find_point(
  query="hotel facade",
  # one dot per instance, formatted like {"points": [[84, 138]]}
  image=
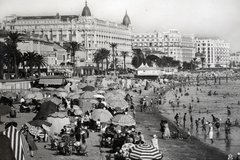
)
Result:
{"points": [[172, 44], [85, 29], [215, 51]]}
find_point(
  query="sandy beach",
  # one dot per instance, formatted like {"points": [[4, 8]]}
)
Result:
{"points": [[148, 124]]}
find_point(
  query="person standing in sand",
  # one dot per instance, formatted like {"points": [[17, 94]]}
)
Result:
{"points": [[155, 142], [210, 132]]}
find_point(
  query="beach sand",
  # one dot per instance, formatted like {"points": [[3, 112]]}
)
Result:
{"points": [[148, 124]]}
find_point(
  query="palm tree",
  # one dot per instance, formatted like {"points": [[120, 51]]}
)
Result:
{"points": [[40, 62], [72, 48], [12, 39], [96, 59], [106, 56], [202, 59], [31, 58], [23, 62], [124, 54], [138, 58], [113, 46], [8, 58], [2, 58]]}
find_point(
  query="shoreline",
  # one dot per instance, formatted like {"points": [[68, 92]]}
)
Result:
{"points": [[149, 123]]}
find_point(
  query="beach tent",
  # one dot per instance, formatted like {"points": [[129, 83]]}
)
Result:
{"points": [[6, 151], [16, 142], [46, 108], [58, 120]]}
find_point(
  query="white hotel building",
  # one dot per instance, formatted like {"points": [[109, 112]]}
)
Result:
{"points": [[85, 29], [172, 43], [216, 51]]}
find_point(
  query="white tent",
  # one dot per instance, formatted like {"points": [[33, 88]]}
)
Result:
{"points": [[58, 120]]}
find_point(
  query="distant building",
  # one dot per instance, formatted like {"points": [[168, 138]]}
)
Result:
{"points": [[235, 59], [91, 32], [216, 51], [172, 44]]}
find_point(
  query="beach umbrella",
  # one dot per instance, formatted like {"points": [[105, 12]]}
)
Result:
{"points": [[145, 151], [99, 96], [126, 147], [55, 100], [121, 103], [93, 101], [39, 123], [16, 142], [61, 90], [49, 89], [102, 114], [38, 96], [120, 92], [74, 96], [100, 92], [4, 109], [9, 94], [30, 96], [123, 120], [58, 120], [34, 89], [79, 91], [88, 88], [62, 94], [87, 95]]}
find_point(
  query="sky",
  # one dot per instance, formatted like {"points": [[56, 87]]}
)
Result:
{"points": [[203, 18]]}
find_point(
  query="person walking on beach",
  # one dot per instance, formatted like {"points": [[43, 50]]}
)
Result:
{"points": [[191, 120], [162, 127], [177, 119], [197, 124], [210, 132], [166, 134], [228, 129], [155, 142], [184, 119]]}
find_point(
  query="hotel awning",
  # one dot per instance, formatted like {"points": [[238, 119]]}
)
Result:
{"points": [[51, 81]]}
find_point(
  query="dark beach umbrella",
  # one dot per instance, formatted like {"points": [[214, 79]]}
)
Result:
{"points": [[4, 109], [46, 108], [88, 88], [145, 151], [39, 123]]}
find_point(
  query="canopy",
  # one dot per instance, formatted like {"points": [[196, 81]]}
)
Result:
{"points": [[16, 142], [102, 114], [51, 81], [145, 151], [58, 120], [123, 120]]}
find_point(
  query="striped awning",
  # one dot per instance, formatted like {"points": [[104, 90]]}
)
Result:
{"points": [[51, 81], [16, 142]]}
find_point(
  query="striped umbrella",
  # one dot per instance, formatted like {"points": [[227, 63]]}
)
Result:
{"points": [[145, 151], [123, 120], [16, 142]]}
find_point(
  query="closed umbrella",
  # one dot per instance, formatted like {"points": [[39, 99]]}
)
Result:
{"points": [[102, 114], [145, 151], [123, 120]]}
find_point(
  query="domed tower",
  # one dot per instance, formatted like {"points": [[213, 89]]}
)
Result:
{"points": [[86, 11], [126, 20]]}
